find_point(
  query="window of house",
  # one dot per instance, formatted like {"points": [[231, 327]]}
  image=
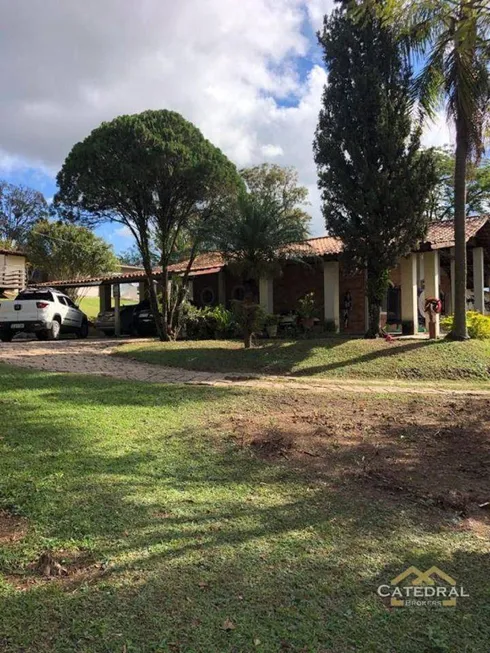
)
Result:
{"points": [[238, 293], [207, 296]]}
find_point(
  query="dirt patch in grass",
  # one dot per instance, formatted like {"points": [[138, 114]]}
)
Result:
{"points": [[434, 452], [69, 568], [12, 527]]}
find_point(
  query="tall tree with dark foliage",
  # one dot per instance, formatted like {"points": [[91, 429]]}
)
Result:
{"points": [[373, 175]]}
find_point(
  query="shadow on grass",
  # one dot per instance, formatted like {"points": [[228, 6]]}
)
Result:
{"points": [[300, 358], [196, 531], [378, 355]]}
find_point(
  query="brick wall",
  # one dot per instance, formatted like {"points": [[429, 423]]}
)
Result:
{"points": [[295, 282], [356, 286]]}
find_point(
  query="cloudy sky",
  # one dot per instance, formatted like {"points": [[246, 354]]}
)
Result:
{"points": [[248, 73]]}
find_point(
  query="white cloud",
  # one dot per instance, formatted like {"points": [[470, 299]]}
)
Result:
{"points": [[271, 151], [229, 66], [123, 232], [226, 65]]}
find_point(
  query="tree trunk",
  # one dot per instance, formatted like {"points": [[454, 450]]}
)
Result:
{"points": [[181, 293], [165, 304], [152, 296], [374, 319], [377, 284], [247, 339], [460, 332]]}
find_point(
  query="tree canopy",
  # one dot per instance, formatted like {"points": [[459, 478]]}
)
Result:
{"points": [[451, 37], [20, 208], [441, 200], [373, 175], [279, 183], [153, 172], [256, 233], [66, 251]]}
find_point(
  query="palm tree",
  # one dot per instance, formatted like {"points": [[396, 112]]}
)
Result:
{"points": [[255, 236], [452, 38]]}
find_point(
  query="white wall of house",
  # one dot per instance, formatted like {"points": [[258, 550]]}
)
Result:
{"points": [[12, 271]]}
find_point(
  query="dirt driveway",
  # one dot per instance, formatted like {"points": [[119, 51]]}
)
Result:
{"points": [[93, 356]]}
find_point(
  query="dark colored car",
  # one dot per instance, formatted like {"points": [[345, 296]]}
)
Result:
{"points": [[136, 320]]}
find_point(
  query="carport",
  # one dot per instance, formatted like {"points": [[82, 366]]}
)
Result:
{"points": [[109, 289], [110, 285]]}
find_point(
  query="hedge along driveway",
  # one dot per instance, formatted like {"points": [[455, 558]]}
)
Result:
{"points": [[334, 357]]}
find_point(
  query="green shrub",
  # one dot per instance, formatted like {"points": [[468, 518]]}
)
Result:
{"points": [[307, 306], [222, 321], [209, 322], [478, 325], [271, 319]]}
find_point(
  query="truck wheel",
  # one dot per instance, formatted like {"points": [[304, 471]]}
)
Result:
{"points": [[54, 332], [82, 332], [6, 337]]}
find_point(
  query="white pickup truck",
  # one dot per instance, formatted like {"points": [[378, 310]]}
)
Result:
{"points": [[43, 311]]}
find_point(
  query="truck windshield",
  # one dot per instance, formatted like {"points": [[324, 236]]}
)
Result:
{"points": [[36, 295]]}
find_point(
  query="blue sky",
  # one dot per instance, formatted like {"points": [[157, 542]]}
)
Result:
{"points": [[249, 75]]}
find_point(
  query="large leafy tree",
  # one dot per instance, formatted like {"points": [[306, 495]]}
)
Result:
{"points": [[280, 183], [373, 176], [155, 173], [453, 39], [20, 209], [441, 200], [66, 251]]}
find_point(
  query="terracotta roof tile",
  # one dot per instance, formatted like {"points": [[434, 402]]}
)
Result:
{"points": [[441, 234], [201, 262]]}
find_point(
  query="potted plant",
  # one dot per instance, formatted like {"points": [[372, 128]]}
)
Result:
{"points": [[307, 310], [271, 323]]}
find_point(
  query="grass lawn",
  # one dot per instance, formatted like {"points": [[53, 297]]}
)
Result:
{"points": [[149, 518], [334, 357], [91, 306]]}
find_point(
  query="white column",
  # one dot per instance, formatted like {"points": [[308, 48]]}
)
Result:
{"points": [[408, 273], [331, 292], [141, 290], [478, 280], [431, 274], [266, 294], [190, 288], [221, 287]]}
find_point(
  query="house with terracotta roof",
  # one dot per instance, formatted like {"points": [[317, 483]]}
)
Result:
{"points": [[13, 267], [340, 295]]}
